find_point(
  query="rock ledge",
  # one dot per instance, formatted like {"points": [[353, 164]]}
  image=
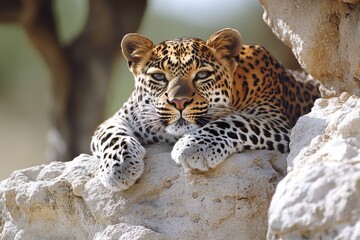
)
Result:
{"points": [[66, 200], [320, 196]]}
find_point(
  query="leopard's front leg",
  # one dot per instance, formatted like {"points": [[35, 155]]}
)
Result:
{"points": [[120, 154], [210, 145]]}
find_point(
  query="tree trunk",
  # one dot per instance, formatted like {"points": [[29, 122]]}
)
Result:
{"points": [[81, 71]]}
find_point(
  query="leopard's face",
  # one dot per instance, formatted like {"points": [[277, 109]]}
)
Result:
{"points": [[184, 83]]}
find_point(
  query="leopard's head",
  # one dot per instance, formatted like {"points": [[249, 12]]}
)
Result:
{"points": [[186, 82]]}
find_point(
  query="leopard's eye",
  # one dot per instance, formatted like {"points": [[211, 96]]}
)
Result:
{"points": [[202, 75], [158, 76]]}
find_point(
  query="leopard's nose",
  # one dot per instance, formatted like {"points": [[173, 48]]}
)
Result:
{"points": [[180, 104]]}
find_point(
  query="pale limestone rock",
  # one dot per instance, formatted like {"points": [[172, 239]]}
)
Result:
{"points": [[66, 200], [324, 36], [320, 196]]}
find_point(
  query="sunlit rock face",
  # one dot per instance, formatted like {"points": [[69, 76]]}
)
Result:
{"points": [[320, 196], [67, 200], [324, 37]]}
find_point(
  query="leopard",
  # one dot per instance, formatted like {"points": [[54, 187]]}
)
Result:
{"points": [[210, 99]]}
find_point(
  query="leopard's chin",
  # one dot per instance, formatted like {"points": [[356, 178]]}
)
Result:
{"points": [[181, 127]]}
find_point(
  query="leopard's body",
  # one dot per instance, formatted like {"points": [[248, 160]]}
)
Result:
{"points": [[210, 98]]}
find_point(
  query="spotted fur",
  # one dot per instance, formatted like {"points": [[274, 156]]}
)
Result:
{"points": [[210, 99]]}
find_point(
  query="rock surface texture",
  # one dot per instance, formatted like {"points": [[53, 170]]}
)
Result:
{"points": [[66, 200], [324, 36], [320, 196]]}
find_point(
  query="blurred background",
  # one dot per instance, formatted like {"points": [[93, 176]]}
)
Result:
{"points": [[29, 84]]}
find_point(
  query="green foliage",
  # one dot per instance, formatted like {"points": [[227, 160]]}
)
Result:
{"points": [[71, 16], [22, 71]]}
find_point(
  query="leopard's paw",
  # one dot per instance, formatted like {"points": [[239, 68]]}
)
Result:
{"points": [[120, 176], [120, 170], [198, 153]]}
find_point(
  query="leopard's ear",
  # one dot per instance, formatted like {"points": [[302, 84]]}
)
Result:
{"points": [[227, 42], [135, 48]]}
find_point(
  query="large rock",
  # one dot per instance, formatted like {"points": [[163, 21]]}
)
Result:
{"points": [[320, 196], [66, 200], [324, 36]]}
